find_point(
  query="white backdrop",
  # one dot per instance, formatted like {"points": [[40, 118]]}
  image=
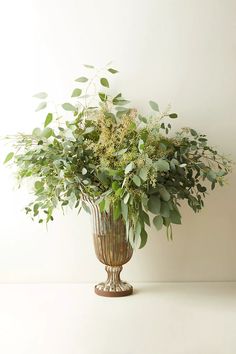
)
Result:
{"points": [[181, 52]]}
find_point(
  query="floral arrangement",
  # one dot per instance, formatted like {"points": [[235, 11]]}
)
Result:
{"points": [[108, 152]]}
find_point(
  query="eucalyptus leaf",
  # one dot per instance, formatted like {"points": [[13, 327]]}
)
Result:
{"points": [[48, 119], [76, 93], [41, 106], [112, 71], [154, 204], [104, 82], [41, 95], [82, 79], [69, 107], [9, 157], [137, 180], [158, 222], [154, 106]]}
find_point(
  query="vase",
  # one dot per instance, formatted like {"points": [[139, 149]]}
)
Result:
{"points": [[112, 249]]}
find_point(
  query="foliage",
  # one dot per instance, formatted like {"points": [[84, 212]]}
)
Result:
{"points": [[115, 156]]}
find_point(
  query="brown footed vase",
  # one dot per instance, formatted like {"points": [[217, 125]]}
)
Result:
{"points": [[112, 249]]}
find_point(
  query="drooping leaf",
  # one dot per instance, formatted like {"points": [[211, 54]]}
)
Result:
{"points": [[146, 218], [154, 106], [86, 207], [41, 95], [104, 82], [165, 210], [41, 106], [154, 204], [144, 237], [126, 198], [158, 222], [69, 107], [102, 205], [117, 211], [48, 120], [137, 180], [175, 217], [76, 93], [124, 210], [8, 157], [82, 79]]}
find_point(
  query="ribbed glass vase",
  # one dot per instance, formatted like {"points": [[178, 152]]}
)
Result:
{"points": [[112, 249]]}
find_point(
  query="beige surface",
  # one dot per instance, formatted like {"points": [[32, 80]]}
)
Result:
{"points": [[181, 52], [158, 318]]}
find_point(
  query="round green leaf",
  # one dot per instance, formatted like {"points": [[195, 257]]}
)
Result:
{"points": [[104, 82], [47, 132], [38, 185], [173, 115], [158, 222], [154, 204], [76, 93], [165, 195]]}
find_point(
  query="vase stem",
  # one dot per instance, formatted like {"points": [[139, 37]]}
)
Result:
{"points": [[113, 286]]}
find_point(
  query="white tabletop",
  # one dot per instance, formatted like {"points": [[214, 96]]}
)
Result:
{"points": [[160, 318]]}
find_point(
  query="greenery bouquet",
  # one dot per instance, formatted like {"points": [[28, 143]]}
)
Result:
{"points": [[109, 153]]}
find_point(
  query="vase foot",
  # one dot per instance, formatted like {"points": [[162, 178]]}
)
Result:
{"points": [[113, 286], [102, 290]]}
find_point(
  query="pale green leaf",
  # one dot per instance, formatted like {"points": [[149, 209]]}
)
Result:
{"points": [[82, 79], [137, 180], [41, 95], [154, 204], [88, 66], [41, 106], [48, 120], [69, 107], [129, 167], [158, 222], [154, 106], [9, 157], [76, 93]]}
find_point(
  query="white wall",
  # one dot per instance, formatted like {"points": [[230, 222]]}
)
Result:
{"points": [[181, 52]]}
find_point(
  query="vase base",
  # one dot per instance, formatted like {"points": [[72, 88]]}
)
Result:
{"points": [[102, 290]]}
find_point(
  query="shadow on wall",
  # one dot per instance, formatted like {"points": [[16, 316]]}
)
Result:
{"points": [[203, 248]]}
